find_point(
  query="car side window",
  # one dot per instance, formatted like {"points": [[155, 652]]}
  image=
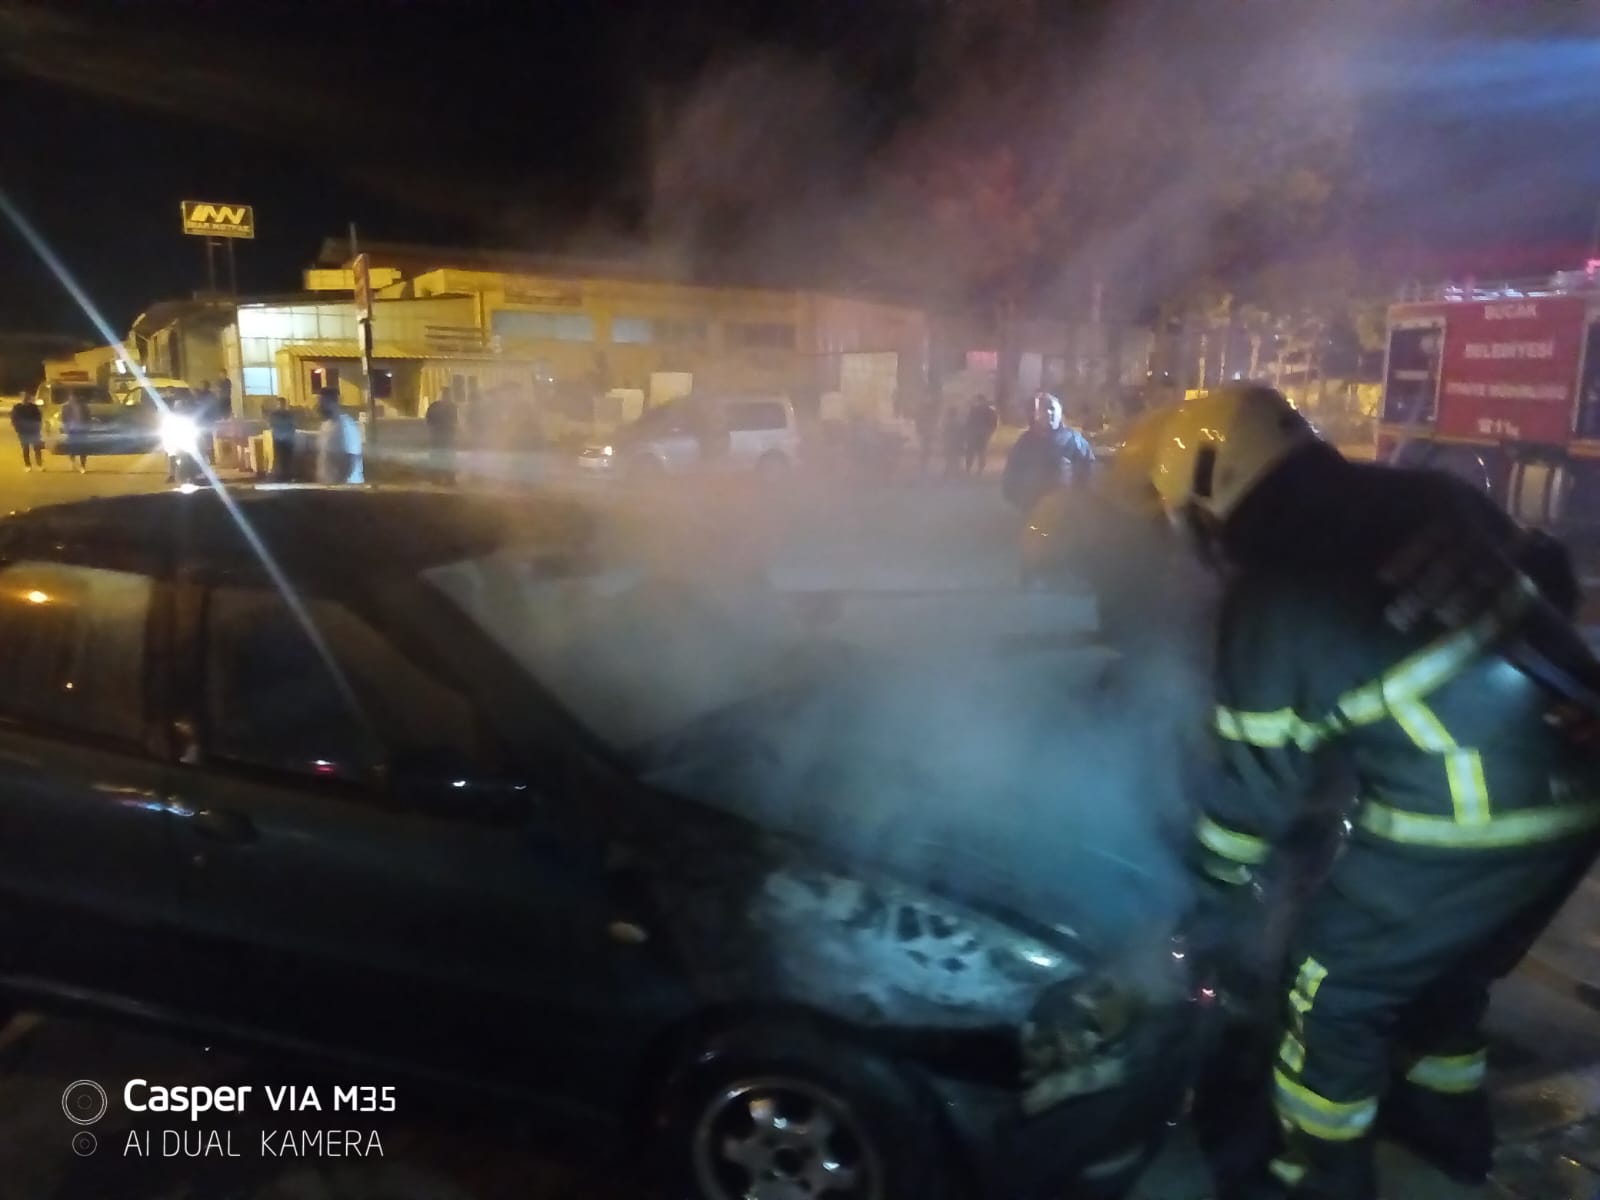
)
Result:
{"points": [[277, 699], [75, 644], [762, 415], [663, 418]]}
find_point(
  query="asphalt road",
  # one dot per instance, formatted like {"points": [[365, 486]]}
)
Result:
{"points": [[920, 537]]}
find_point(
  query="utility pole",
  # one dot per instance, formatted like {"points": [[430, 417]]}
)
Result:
{"points": [[363, 304]]}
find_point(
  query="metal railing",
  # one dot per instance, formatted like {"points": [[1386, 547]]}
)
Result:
{"points": [[1561, 283]]}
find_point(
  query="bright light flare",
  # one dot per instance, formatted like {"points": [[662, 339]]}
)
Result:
{"points": [[36, 597], [29, 234], [179, 434]]}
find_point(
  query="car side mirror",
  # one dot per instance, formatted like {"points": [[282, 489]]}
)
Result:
{"points": [[445, 783]]}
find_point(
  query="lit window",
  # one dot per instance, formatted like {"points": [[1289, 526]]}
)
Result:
{"points": [[631, 330], [514, 325], [260, 381]]}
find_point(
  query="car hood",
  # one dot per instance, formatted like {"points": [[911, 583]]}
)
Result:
{"points": [[1071, 823], [815, 869]]}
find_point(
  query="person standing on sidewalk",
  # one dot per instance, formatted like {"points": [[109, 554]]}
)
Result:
{"points": [[1047, 456], [442, 426], [28, 422], [75, 423], [982, 421], [280, 424], [339, 454]]}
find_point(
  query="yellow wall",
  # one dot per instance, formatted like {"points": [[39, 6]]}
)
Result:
{"points": [[584, 329]]}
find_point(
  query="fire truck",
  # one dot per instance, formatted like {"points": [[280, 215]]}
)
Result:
{"points": [[1500, 383]]}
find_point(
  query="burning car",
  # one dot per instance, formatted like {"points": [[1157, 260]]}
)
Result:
{"points": [[499, 792]]}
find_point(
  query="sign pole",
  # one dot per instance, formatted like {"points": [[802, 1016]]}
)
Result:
{"points": [[363, 306], [214, 223]]}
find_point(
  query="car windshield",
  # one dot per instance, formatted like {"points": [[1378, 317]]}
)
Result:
{"points": [[634, 638], [88, 393]]}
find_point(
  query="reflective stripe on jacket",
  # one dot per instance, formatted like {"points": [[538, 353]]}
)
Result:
{"points": [[1448, 743]]}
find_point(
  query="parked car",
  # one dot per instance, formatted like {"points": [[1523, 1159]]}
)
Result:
{"points": [[127, 388], [127, 426], [693, 433], [391, 777], [52, 396]]}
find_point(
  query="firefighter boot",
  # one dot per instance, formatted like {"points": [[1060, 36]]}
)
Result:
{"points": [[1453, 1133]]}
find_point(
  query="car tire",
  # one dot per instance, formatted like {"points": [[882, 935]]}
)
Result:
{"points": [[776, 1101]]}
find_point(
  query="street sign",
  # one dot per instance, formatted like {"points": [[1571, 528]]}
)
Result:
{"points": [[204, 219]]}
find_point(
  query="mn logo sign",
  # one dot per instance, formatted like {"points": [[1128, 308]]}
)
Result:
{"points": [[219, 220]]}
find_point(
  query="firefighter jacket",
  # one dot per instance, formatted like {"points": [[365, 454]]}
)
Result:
{"points": [[1448, 742]]}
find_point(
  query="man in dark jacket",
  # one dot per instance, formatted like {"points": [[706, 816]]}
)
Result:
{"points": [[982, 420], [206, 413], [281, 426], [442, 425], [27, 420], [1476, 810], [1048, 455]]}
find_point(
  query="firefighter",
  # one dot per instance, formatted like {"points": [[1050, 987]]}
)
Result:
{"points": [[1475, 812], [1113, 541]]}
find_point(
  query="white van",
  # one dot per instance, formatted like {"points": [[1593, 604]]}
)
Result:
{"points": [[722, 433]]}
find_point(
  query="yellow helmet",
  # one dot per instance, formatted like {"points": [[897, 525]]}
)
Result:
{"points": [[1211, 450], [1129, 471]]}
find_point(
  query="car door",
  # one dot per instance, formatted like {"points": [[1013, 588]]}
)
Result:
{"points": [[345, 904], [744, 433], [670, 435], [759, 428], [87, 849]]}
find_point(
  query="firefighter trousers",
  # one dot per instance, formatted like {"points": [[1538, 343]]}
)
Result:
{"points": [[1388, 982]]}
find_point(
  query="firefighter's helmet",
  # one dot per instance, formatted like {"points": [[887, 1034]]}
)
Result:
{"points": [[1213, 449], [1133, 460]]}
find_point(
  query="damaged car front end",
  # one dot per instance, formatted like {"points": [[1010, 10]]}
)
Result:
{"points": [[1057, 1066]]}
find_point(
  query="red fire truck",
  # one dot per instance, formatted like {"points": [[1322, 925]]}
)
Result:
{"points": [[1501, 383]]}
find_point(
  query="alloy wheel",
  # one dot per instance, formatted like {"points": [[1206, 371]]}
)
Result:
{"points": [[783, 1139]]}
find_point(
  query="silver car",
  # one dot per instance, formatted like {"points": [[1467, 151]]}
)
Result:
{"points": [[691, 433]]}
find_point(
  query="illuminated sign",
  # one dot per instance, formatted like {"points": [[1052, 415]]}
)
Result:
{"points": [[204, 219]]}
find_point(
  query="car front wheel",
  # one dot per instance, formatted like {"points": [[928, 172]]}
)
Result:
{"points": [[788, 1114]]}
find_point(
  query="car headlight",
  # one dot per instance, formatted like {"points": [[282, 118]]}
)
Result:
{"points": [[607, 451], [179, 434], [1083, 1032]]}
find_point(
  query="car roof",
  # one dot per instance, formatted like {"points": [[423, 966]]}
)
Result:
{"points": [[306, 528]]}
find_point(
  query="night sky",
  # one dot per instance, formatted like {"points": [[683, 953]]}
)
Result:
{"points": [[540, 125]]}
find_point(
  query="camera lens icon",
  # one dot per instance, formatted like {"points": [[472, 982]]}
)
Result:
{"points": [[85, 1102], [84, 1143]]}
